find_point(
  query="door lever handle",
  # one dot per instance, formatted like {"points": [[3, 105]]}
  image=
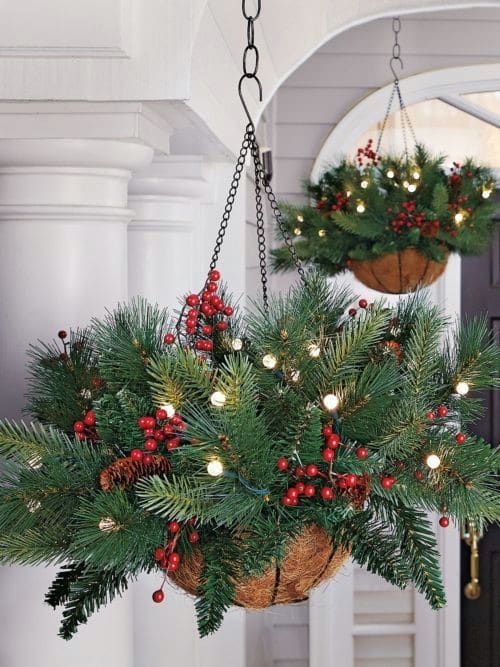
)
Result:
{"points": [[472, 590]]}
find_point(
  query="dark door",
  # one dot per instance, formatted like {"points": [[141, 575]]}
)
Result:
{"points": [[480, 626]]}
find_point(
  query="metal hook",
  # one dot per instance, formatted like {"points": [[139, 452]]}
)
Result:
{"points": [[391, 65], [240, 93]]}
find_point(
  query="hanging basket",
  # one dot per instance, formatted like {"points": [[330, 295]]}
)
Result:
{"points": [[399, 272], [311, 559]]}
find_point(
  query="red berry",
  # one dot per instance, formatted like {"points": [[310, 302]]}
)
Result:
{"points": [[328, 455], [192, 300], [172, 567], [431, 416], [79, 427], [211, 287], [444, 522], [351, 479], [209, 346], [292, 492], [309, 490], [159, 553], [300, 486], [136, 455], [299, 471], [193, 314], [333, 441], [327, 430], [387, 482], [158, 596], [80, 436], [194, 537], [192, 521], [207, 309], [214, 275], [173, 444], [327, 493], [228, 311], [282, 464], [168, 339], [419, 475], [159, 435], [363, 303], [89, 419], [150, 445], [147, 459], [442, 411], [174, 558], [191, 323], [287, 501], [341, 483], [149, 432], [312, 470], [460, 438], [206, 330], [362, 452], [62, 334], [221, 326], [150, 422], [161, 414], [173, 527], [352, 312]]}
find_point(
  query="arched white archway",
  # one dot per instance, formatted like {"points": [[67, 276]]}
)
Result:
{"points": [[437, 84]]}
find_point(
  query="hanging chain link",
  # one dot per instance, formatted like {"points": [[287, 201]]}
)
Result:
{"points": [[261, 233], [396, 90]]}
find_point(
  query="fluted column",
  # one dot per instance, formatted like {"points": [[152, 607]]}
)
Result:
{"points": [[63, 259]]}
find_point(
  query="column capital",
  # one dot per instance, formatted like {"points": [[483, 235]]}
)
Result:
{"points": [[175, 176]]}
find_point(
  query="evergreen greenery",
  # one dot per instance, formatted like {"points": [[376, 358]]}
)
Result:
{"points": [[386, 366], [383, 204]]}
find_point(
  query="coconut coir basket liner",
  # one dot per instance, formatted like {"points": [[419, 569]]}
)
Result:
{"points": [[399, 272], [310, 560]]}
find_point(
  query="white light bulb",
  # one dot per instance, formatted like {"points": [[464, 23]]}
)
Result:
{"points": [[360, 208], [390, 173], [300, 218], [348, 193], [486, 193], [331, 402], [462, 388], [297, 231], [433, 461], [412, 187], [169, 409], [215, 468], [218, 399], [314, 350], [364, 184], [405, 184], [416, 175], [322, 233], [459, 217], [237, 344], [269, 361]]}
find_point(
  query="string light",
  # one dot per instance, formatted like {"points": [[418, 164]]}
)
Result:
{"points": [[297, 231], [314, 350], [486, 193], [390, 173], [348, 193], [218, 399], [433, 461], [237, 344], [416, 175], [412, 187], [322, 233], [269, 361], [331, 402], [459, 217], [406, 184], [360, 208], [462, 388], [169, 409], [364, 184], [215, 468], [300, 218]]}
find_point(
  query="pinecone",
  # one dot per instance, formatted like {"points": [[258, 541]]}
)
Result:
{"points": [[125, 472]]}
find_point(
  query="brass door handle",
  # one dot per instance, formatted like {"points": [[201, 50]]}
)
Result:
{"points": [[472, 590]]}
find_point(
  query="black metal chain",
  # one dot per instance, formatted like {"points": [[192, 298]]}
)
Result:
{"points": [[396, 90], [261, 233]]}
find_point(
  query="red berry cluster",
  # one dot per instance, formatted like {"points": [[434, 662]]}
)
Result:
{"points": [[367, 153], [440, 411], [203, 315], [167, 558], [341, 201], [85, 429], [411, 217], [455, 177], [363, 303], [158, 429]]}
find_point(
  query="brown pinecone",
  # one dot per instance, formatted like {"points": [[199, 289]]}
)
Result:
{"points": [[125, 472]]}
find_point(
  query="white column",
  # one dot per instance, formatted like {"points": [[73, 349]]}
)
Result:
{"points": [[63, 259], [178, 201]]}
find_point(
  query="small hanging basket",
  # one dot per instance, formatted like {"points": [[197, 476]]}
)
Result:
{"points": [[400, 272], [311, 559]]}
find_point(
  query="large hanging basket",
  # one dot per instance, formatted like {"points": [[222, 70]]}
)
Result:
{"points": [[311, 559], [399, 272]]}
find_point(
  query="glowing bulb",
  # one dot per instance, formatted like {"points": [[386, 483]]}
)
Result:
{"points": [[322, 233], [459, 217], [169, 409], [297, 231], [314, 350], [486, 193], [360, 208], [331, 402], [416, 175], [390, 173], [364, 184], [348, 193], [300, 218], [215, 468], [405, 184], [462, 388], [269, 361], [433, 461], [218, 399], [295, 376], [237, 344], [412, 187]]}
